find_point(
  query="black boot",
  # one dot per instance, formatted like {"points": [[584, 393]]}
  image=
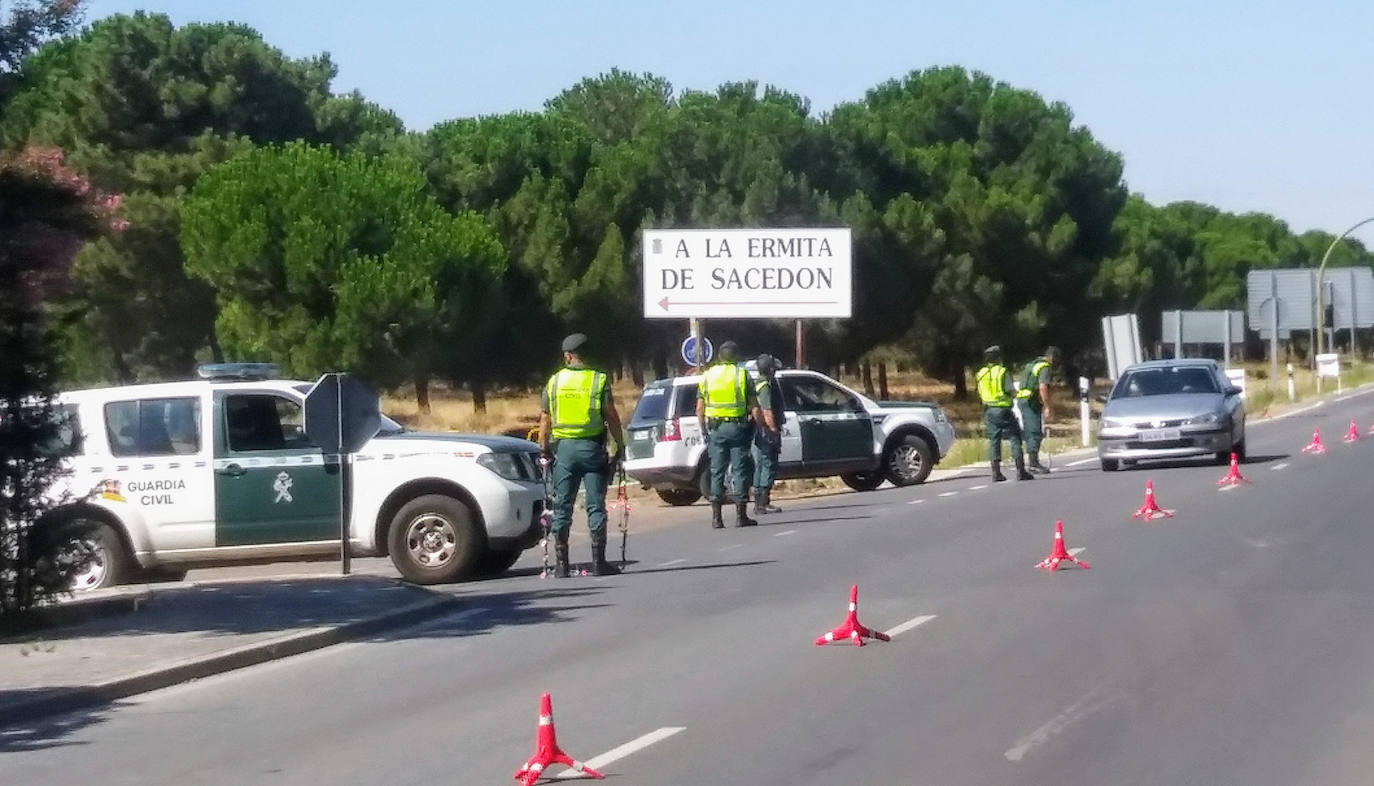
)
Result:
{"points": [[997, 476], [560, 550], [763, 502], [716, 521], [600, 567], [742, 515], [1034, 464], [1021, 473]]}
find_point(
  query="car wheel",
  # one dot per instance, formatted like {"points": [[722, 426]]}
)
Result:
{"points": [[494, 562], [434, 540], [1239, 450], [908, 461], [1109, 465], [96, 553], [863, 481], [679, 497], [704, 485]]}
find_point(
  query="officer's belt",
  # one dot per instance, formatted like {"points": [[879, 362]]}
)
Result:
{"points": [[740, 419]]}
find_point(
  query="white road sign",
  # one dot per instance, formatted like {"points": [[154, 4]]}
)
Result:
{"points": [[747, 273]]}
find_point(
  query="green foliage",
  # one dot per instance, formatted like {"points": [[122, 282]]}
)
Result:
{"points": [[324, 261]]}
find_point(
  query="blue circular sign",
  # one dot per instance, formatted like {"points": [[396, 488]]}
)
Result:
{"points": [[689, 351]]}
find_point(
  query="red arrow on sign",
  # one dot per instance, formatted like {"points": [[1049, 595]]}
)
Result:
{"points": [[665, 303]]}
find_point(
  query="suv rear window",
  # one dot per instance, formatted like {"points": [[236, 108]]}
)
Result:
{"points": [[653, 404], [686, 396], [153, 427]]}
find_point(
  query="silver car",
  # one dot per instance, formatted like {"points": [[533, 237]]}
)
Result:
{"points": [[1167, 409]]}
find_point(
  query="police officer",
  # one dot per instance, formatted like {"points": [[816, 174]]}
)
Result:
{"points": [[725, 402], [578, 414], [1033, 400], [767, 435], [995, 390]]}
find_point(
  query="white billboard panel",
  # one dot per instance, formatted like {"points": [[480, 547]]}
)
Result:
{"points": [[747, 273]]}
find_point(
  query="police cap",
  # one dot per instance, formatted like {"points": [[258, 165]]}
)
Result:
{"points": [[993, 351], [575, 342], [1052, 353]]}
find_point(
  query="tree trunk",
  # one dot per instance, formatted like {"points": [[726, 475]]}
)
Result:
{"points": [[868, 378], [882, 380], [422, 392], [637, 373], [121, 367], [960, 383], [660, 362], [479, 397]]}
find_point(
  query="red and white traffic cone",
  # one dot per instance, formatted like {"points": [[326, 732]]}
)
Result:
{"points": [[1151, 510], [1353, 434], [851, 628], [1233, 477], [1059, 553], [546, 750], [1315, 446]]}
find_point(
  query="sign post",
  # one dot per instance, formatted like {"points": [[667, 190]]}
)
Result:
{"points": [[341, 414]]}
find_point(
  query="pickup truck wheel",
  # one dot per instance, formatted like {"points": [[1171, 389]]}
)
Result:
{"points": [[679, 497], [96, 550], [909, 461], [863, 481], [494, 562], [1109, 465], [433, 539]]}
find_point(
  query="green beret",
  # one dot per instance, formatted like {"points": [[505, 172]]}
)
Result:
{"points": [[574, 342]]}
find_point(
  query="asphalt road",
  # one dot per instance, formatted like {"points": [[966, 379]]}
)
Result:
{"points": [[1230, 644]]}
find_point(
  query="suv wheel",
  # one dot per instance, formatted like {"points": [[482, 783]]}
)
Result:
{"points": [[704, 485], [908, 461], [433, 540], [679, 497], [863, 481]]}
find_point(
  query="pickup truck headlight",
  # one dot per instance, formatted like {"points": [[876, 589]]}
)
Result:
{"points": [[506, 465]]}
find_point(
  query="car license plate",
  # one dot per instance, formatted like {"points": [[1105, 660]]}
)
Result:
{"points": [[1160, 435]]}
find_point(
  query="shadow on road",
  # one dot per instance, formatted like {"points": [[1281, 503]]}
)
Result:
{"points": [[710, 566], [48, 732]]}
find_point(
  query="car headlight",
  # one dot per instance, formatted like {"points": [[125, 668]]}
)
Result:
{"points": [[1116, 427], [506, 465], [1115, 423], [1204, 420]]}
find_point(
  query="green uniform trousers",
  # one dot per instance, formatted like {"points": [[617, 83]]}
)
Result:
{"points": [[766, 452], [1001, 423], [729, 446], [1032, 426], [579, 462]]}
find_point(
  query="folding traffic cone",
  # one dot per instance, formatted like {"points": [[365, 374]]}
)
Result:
{"points": [[1233, 477], [851, 628], [1059, 553], [1353, 435], [1315, 446], [546, 750], [1151, 510]]}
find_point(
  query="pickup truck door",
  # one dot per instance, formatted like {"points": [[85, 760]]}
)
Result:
{"points": [[271, 484], [835, 429]]}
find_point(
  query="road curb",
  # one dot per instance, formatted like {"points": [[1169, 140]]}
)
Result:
{"points": [[90, 696]]}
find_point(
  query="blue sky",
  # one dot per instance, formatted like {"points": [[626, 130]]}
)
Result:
{"points": [[1259, 105]]}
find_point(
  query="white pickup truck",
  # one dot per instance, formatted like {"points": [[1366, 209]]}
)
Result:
{"points": [[218, 471], [830, 430]]}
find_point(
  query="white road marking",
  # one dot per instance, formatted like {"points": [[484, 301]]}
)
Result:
{"points": [[909, 624], [617, 753], [916, 501], [784, 532], [727, 548], [1279, 466], [671, 562], [1076, 550], [1230, 487], [1080, 462], [979, 487], [949, 493], [1056, 725]]}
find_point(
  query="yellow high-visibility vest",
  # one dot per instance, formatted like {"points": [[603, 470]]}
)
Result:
{"points": [[1029, 388], [575, 403], [992, 385], [725, 389]]}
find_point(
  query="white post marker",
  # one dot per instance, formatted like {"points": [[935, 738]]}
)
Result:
{"points": [[1292, 392], [1085, 413]]}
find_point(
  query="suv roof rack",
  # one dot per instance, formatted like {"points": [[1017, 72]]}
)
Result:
{"points": [[238, 372]]}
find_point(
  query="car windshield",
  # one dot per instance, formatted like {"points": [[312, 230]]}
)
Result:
{"points": [[1165, 381], [388, 428], [653, 404]]}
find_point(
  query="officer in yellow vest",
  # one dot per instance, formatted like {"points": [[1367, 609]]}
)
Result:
{"points": [[578, 414], [726, 402], [996, 391], [1033, 401]]}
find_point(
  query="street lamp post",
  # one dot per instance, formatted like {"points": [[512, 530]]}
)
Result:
{"points": [[1321, 289]]}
